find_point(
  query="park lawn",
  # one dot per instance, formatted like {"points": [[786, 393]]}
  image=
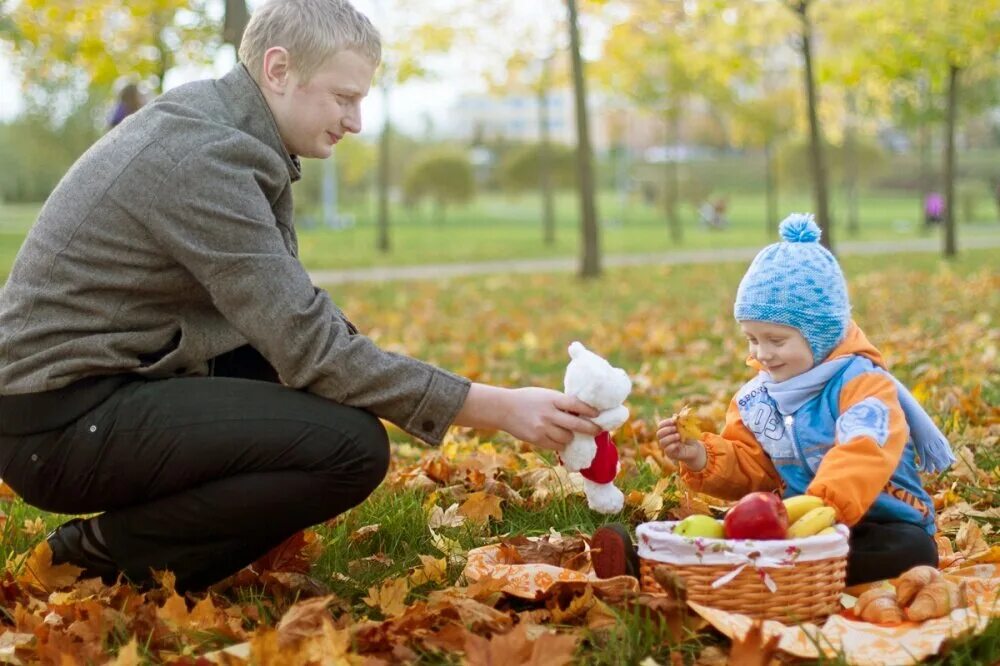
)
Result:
{"points": [[671, 328], [496, 227]]}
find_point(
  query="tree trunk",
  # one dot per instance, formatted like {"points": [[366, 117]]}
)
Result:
{"points": [[235, 22], [771, 187], [545, 176], [673, 188], [925, 155], [815, 135], [590, 262], [949, 164], [851, 166], [382, 231]]}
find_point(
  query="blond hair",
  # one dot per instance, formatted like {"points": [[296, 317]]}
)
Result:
{"points": [[311, 31]]}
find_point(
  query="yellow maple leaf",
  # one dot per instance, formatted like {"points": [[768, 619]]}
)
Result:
{"points": [[688, 424], [389, 597], [431, 570], [481, 506], [174, 611], [38, 572]]}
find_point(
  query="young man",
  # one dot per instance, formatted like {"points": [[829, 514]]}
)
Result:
{"points": [[165, 358]]}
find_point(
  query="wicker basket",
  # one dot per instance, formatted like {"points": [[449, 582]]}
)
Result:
{"points": [[807, 590]]}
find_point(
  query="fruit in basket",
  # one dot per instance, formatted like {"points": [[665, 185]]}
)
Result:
{"points": [[700, 525], [758, 515], [814, 522], [800, 505]]}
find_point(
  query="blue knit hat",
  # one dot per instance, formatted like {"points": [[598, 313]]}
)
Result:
{"points": [[798, 283]]}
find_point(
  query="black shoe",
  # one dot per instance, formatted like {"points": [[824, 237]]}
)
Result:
{"points": [[612, 552], [66, 542]]}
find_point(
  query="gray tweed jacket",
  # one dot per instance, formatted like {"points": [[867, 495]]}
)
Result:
{"points": [[171, 241]]}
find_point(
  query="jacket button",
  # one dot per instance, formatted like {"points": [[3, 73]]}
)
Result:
{"points": [[428, 425]]}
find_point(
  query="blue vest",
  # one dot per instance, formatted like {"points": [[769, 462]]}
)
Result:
{"points": [[797, 443]]}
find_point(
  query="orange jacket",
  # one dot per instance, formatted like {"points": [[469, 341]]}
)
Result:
{"points": [[852, 455]]}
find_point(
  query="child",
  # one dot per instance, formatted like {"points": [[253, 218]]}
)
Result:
{"points": [[159, 298], [823, 416]]}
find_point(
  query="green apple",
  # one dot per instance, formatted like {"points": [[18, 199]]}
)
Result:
{"points": [[700, 526]]}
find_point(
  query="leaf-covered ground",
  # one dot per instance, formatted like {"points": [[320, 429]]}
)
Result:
{"points": [[382, 584]]}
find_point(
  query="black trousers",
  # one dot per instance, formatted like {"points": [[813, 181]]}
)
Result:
{"points": [[201, 475], [885, 550]]}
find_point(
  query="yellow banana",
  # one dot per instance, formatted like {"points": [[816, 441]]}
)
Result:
{"points": [[800, 505], [827, 530], [813, 522]]}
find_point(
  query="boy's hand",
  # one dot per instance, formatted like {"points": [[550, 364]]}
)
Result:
{"points": [[691, 452]]}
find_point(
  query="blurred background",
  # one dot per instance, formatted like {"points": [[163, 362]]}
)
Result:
{"points": [[537, 128]]}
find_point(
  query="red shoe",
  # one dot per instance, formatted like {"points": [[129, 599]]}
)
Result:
{"points": [[612, 552]]}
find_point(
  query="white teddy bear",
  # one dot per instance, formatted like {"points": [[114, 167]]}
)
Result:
{"points": [[594, 381]]}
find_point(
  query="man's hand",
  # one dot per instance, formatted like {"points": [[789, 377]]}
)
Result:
{"points": [[540, 416], [691, 452]]}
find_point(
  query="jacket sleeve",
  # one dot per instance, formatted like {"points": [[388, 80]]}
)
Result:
{"points": [[871, 433], [737, 464], [212, 215]]}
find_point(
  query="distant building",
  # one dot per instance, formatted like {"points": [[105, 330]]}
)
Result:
{"points": [[482, 117]]}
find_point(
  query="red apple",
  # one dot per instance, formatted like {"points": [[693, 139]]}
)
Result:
{"points": [[757, 516]]}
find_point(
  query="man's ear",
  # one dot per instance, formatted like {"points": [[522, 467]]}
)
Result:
{"points": [[275, 69]]}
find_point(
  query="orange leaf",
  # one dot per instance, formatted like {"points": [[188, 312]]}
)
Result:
{"points": [[304, 619], [295, 554], [752, 649], [7, 493], [39, 573], [389, 597], [128, 655], [480, 507], [174, 611]]}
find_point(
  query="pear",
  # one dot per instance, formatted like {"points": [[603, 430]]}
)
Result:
{"points": [[699, 525]]}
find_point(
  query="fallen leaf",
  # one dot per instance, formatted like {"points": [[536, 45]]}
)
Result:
{"points": [[431, 570], [752, 649], [363, 534], [304, 619], [389, 597], [296, 553], [480, 507], [449, 517], [38, 572], [128, 655]]}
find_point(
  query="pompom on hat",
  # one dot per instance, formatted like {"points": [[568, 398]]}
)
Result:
{"points": [[798, 283]]}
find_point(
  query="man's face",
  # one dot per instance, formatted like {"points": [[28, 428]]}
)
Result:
{"points": [[312, 116], [782, 350]]}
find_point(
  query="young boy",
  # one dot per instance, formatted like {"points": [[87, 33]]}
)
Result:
{"points": [[823, 416], [158, 299]]}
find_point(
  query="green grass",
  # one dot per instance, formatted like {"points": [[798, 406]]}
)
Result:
{"points": [[497, 227], [485, 320]]}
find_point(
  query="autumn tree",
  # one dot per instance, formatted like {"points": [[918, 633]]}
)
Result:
{"points": [[590, 259], [442, 175], [806, 45], [928, 48], [65, 49], [664, 55], [409, 38]]}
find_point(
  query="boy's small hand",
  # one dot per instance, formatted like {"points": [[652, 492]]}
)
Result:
{"points": [[691, 452]]}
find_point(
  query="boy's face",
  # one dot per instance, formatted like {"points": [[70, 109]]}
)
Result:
{"points": [[313, 115], [781, 350]]}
